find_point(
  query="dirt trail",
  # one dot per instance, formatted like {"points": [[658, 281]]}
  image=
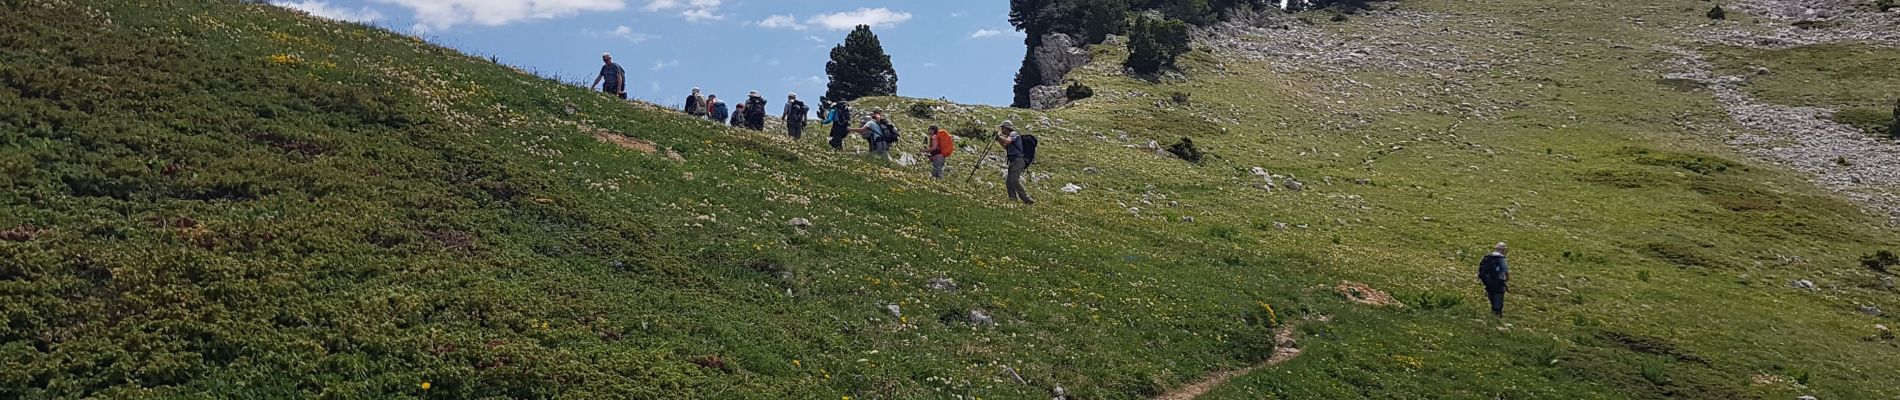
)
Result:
{"points": [[1284, 349]]}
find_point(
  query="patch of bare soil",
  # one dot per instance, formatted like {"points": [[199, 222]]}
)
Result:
{"points": [[606, 136], [1362, 294], [1284, 349]]}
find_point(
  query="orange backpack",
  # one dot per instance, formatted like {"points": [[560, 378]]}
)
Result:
{"points": [[945, 144]]}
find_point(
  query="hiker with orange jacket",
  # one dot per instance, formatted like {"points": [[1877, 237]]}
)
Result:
{"points": [[938, 146]]}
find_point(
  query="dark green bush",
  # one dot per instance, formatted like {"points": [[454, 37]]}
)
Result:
{"points": [[1718, 13], [1186, 150], [1078, 91], [1182, 98], [1881, 261], [1885, 5], [1153, 45], [922, 110]]}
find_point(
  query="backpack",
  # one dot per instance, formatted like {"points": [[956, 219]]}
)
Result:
{"points": [[945, 143], [890, 131], [844, 115], [1488, 269], [1029, 147], [755, 108], [799, 110]]}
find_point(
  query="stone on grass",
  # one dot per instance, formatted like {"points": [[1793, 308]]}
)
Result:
{"points": [[1071, 188], [941, 285], [799, 222], [1802, 284]]}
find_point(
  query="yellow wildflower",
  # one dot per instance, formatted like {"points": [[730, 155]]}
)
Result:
{"points": [[425, 385]]}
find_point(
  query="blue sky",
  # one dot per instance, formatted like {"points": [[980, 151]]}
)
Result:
{"points": [[964, 51]]}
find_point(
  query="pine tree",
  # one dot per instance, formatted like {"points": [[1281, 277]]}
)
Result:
{"points": [[860, 68]]}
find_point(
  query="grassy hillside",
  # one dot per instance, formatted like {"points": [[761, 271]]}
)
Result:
{"points": [[217, 199]]}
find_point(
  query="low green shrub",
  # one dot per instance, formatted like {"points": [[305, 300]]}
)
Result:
{"points": [[1874, 121], [1186, 150], [1881, 261], [1078, 91]]}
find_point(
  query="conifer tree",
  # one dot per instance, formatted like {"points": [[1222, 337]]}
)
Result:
{"points": [[860, 68]]}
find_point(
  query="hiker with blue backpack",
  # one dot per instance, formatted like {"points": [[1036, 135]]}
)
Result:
{"points": [[838, 116], [718, 112], [1020, 149], [1494, 273]]}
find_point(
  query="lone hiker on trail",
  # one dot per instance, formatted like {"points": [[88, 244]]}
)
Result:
{"points": [[696, 104], [795, 114], [755, 112], [1021, 151], [839, 117], [1495, 273], [938, 147], [615, 77]]}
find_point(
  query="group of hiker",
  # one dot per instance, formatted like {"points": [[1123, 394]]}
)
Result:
{"points": [[748, 115], [877, 130], [879, 133]]}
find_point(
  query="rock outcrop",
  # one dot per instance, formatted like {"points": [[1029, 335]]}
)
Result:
{"points": [[1054, 58]]}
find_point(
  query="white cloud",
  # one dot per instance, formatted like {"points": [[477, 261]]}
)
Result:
{"points": [[958, 14], [984, 33], [691, 10], [325, 10], [930, 65], [815, 39], [664, 64], [786, 21], [623, 32], [444, 14], [875, 17]]}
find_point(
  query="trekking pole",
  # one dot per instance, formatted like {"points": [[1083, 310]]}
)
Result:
{"points": [[979, 162]]}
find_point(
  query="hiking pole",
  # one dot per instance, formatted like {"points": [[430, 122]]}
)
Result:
{"points": [[979, 162]]}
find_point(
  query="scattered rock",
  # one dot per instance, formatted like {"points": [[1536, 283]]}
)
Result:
{"points": [[941, 285], [1071, 188], [799, 222], [1886, 282], [1362, 182], [1802, 284], [1187, 218], [980, 318], [1279, 225], [1090, 170], [906, 160], [1038, 177], [1294, 185], [896, 312], [1871, 310], [20, 234]]}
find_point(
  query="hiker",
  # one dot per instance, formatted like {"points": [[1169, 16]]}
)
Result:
{"points": [[615, 77], [696, 104], [938, 147], [839, 118], [871, 131], [755, 112], [1020, 149], [716, 108], [795, 114], [879, 133], [1495, 273], [738, 116]]}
